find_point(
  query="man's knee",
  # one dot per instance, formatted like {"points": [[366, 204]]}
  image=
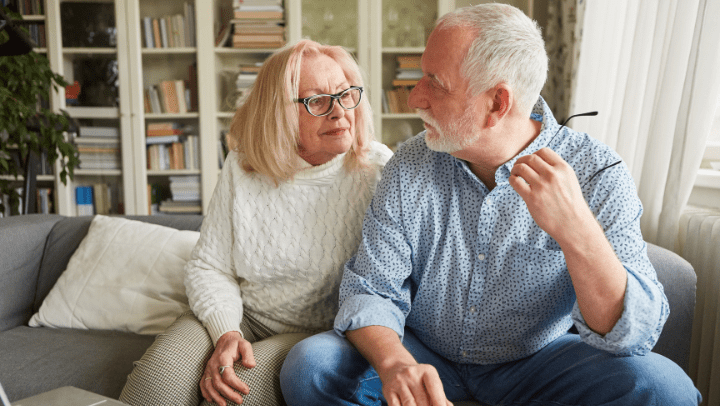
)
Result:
{"points": [[658, 380], [308, 362]]}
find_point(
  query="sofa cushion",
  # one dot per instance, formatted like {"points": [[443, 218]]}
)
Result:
{"points": [[125, 275], [22, 239], [43, 359], [66, 236]]}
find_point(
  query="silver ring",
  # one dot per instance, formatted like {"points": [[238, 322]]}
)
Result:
{"points": [[208, 378], [222, 368]]}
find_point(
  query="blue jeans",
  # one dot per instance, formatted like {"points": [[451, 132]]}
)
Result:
{"points": [[326, 369]]}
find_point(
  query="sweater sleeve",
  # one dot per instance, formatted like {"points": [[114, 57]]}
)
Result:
{"points": [[210, 278]]}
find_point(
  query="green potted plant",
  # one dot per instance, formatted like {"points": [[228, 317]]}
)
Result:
{"points": [[27, 124]]}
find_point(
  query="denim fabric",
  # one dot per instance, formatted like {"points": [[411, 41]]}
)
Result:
{"points": [[327, 370]]}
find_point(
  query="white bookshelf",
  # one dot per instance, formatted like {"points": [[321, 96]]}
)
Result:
{"points": [[139, 66]]}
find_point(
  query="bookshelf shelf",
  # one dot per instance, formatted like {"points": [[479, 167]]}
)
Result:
{"points": [[98, 172], [403, 50], [89, 51], [171, 116], [169, 51], [34, 17], [173, 172], [241, 51]]}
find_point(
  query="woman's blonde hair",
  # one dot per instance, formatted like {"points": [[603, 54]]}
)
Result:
{"points": [[265, 129]]}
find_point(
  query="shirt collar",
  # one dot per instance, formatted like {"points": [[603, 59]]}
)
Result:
{"points": [[540, 112]]}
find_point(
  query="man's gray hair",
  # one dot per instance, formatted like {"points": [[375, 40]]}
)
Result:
{"points": [[508, 48]]}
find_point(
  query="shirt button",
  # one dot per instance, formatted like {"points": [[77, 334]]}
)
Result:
{"points": [[472, 309], [481, 257], [464, 354]]}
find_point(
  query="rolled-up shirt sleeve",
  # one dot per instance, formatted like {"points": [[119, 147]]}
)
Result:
{"points": [[618, 210], [375, 288]]}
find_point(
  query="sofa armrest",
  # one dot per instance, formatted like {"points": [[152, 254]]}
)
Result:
{"points": [[679, 282], [23, 240]]}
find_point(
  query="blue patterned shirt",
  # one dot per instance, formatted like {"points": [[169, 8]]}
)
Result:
{"points": [[470, 272]]}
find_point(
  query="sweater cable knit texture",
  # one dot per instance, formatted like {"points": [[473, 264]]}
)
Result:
{"points": [[278, 252]]}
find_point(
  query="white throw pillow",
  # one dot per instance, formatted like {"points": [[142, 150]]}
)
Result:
{"points": [[126, 275]]}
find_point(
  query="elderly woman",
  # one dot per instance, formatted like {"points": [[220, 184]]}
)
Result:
{"points": [[284, 218]]}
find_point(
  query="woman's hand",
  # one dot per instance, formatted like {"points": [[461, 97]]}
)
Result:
{"points": [[215, 387]]}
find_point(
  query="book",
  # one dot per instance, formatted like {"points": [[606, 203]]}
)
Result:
{"points": [[170, 98], [258, 38], [148, 28], [180, 94], [189, 9], [258, 14], [404, 82], [101, 198], [157, 41], [164, 33], [163, 139], [84, 200], [94, 131]]}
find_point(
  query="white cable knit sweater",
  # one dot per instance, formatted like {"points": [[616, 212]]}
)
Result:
{"points": [[278, 252]]}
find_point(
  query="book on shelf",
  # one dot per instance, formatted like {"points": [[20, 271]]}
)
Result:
{"points": [[102, 198], [44, 200], [163, 33], [172, 146], [172, 96], [98, 153], [185, 188], [180, 207], [157, 39], [257, 15], [84, 200], [258, 24], [170, 31], [405, 82], [96, 131], [30, 7]]}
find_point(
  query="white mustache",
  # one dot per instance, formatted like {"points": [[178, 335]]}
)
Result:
{"points": [[427, 118]]}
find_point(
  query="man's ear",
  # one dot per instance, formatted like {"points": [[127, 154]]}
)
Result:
{"points": [[502, 99]]}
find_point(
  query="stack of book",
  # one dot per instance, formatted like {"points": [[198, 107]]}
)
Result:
{"points": [[407, 76], [172, 146], [185, 191], [245, 80], [171, 31], [99, 148], [258, 24], [170, 96]]}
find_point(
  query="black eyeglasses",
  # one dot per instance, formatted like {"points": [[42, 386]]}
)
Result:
{"points": [[322, 104]]}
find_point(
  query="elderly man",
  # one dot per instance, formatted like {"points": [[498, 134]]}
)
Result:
{"points": [[490, 235]]}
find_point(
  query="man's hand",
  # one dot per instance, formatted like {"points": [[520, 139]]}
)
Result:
{"points": [[414, 385], [405, 382], [216, 388], [551, 191]]}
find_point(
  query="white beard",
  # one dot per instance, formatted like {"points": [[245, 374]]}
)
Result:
{"points": [[456, 136]]}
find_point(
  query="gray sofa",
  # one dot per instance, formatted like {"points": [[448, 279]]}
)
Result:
{"points": [[35, 249]]}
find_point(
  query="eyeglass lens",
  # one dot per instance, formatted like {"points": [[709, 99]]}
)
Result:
{"points": [[322, 104]]}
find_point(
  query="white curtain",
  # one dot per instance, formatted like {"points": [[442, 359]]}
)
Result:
{"points": [[651, 69]]}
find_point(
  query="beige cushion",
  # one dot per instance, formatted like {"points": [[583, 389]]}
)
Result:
{"points": [[126, 275]]}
